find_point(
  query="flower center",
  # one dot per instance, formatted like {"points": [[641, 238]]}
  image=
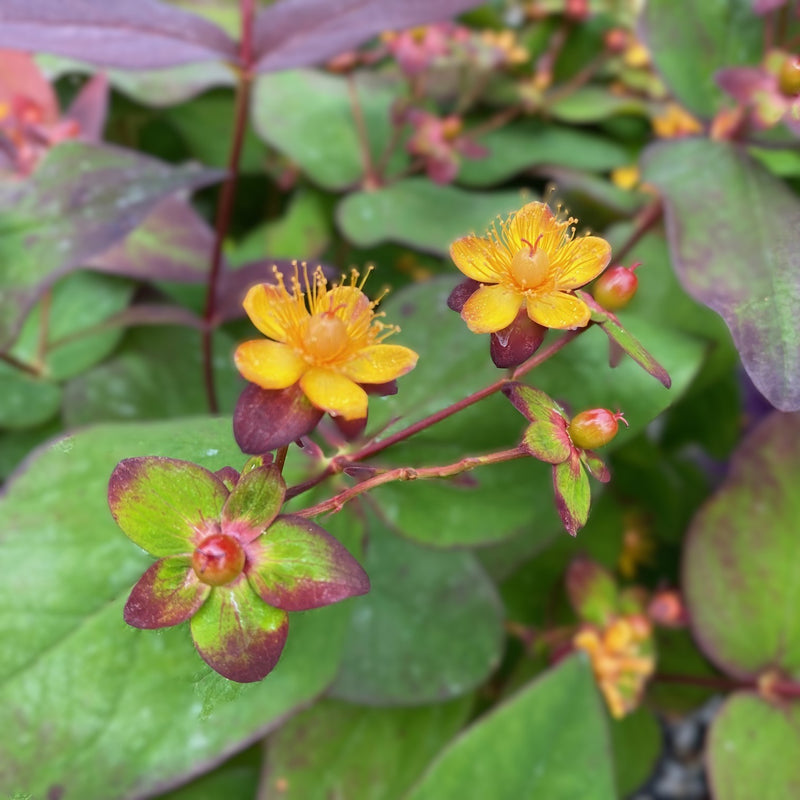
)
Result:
{"points": [[218, 559], [530, 266], [324, 336]]}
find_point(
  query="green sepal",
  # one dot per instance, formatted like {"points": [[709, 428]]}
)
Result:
{"points": [[237, 634], [595, 466], [548, 441], [533, 404], [163, 504], [573, 496], [254, 502]]}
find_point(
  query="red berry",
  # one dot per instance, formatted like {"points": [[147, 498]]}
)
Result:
{"points": [[616, 287], [789, 76], [218, 559], [594, 428]]}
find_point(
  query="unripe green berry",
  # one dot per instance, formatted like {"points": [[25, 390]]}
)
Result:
{"points": [[789, 76], [594, 428], [616, 287], [218, 559]]}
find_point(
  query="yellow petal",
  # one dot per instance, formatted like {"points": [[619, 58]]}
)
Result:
{"points": [[334, 393], [491, 308], [260, 303], [478, 258], [380, 363], [348, 302], [580, 261], [558, 310], [270, 365]]}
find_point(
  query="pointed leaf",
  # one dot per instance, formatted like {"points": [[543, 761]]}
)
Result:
{"points": [[741, 563], [533, 404], [548, 441], [237, 634], [90, 108], [547, 741], [167, 594], [747, 734], [80, 200], [296, 566], [749, 273], [254, 502], [297, 33], [573, 495], [625, 340], [266, 419], [595, 466], [160, 502], [132, 34]]}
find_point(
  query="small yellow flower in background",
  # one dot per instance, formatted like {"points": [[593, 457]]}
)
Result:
{"points": [[626, 177], [638, 546], [329, 339], [674, 122], [535, 260], [622, 658]]}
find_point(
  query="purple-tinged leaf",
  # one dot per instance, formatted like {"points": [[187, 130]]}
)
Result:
{"points": [[592, 591], [229, 476], [266, 419], [167, 594], [254, 502], [154, 314], [625, 340], [81, 200], [90, 108], [297, 33], [296, 566], [533, 404], [234, 283], [239, 635], [165, 505], [131, 34], [172, 244], [741, 562], [548, 441], [734, 234], [595, 466], [573, 495]]}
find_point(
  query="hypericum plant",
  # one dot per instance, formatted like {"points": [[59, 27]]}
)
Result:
{"points": [[234, 569]]}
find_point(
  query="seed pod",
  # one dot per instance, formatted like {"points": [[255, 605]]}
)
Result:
{"points": [[616, 287], [594, 428]]}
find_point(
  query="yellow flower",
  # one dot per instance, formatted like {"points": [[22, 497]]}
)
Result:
{"points": [[674, 122], [329, 339], [533, 259]]}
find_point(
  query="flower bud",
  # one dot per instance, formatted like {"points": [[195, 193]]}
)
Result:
{"points": [[789, 76], [594, 428], [616, 287]]}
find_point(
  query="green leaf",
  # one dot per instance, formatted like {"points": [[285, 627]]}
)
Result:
{"points": [[308, 116], [157, 372], [80, 200], [589, 104], [529, 143], [237, 778], [127, 709], [592, 591], [419, 213], [747, 273], [297, 565], [75, 306], [638, 742], [161, 502], [339, 750], [573, 495], [548, 740], [26, 401], [237, 634], [689, 48], [747, 734], [399, 652], [742, 558]]}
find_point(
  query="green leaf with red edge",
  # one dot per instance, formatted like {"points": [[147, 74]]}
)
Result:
{"points": [[167, 594], [548, 441], [238, 634], [93, 702], [748, 734], [533, 404], [254, 502], [595, 466], [297, 565], [625, 340], [573, 495], [160, 502], [592, 590], [741, 563]]}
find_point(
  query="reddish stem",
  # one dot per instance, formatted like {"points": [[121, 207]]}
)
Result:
{"points": [[336, 502], [649, 216], [228, 194]]}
